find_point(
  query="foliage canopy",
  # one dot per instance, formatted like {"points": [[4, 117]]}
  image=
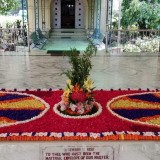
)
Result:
{"points": [[7, 5], [145, 14]]}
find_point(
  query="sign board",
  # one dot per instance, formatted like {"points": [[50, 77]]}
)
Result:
{"points": [[78, 153]]}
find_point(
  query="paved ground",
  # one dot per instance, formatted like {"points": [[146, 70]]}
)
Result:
{"points": [[108, 71], [36, 70]]}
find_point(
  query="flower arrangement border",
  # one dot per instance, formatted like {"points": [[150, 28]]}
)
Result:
{"points": [[104, 136], [54, 136], [28, 120], [133, 121]]}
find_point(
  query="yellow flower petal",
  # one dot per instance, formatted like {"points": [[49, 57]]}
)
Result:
{"points": [[88, 84]]}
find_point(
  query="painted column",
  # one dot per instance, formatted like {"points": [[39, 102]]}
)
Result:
{"points": [[48, 15], [44, 15], [109, 22], [43, 12], [92, 17], [98, 18], [24, 14], [86, 15], [36, 14], [31, 20], [103, 16]]}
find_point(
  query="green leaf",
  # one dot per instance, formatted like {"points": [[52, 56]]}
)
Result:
{"points": [[80, 65]]}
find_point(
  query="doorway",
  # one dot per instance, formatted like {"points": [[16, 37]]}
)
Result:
{"points": [[67, 13]]}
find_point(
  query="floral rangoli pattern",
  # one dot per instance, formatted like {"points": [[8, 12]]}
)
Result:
{"points": [[16, 108], [140, 108], [129, 115]]}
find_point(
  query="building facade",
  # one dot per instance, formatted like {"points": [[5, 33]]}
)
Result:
{"points": [[47, 15]]}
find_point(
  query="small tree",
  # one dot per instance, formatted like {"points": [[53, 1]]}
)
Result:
{"points": [[7, 5]]}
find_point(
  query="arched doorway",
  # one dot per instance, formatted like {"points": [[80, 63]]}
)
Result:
{"points": [[68, 14]]}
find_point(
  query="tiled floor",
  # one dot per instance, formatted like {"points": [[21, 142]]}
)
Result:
{"points": [[108, 72]]}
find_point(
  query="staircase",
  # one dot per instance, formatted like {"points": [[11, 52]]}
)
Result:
{"points": [[79, 34], [65, 39]]}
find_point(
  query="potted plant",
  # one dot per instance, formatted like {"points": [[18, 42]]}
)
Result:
{"points": [[78, 98]]}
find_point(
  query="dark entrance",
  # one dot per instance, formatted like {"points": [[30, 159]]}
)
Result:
{"points": [[67, 13]]}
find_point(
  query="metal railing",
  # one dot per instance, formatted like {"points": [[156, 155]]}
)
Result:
{"points": [[14, 40], [133, 41]]}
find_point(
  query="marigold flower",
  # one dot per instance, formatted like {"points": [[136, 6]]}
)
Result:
{"points": [[77, 88], [65, 100]]}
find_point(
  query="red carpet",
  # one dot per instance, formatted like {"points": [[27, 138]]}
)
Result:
{"points": [[131, 117]]}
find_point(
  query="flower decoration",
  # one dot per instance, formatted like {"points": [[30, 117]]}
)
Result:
{"points": [[142, 108], [20, 108], [78, 98]]}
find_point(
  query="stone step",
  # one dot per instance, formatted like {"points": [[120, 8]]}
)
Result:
{"points": [[69, 30], [68, 33], [67, 37]]}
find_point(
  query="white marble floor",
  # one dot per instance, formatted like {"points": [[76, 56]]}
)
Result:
{"points": [[108, 72]]}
